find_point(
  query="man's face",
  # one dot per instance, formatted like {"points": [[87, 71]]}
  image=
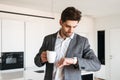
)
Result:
{"points": [[68, 27]]}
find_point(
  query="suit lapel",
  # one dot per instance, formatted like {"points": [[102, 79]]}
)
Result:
{"points": [[53, 39], [52, 47], [71, 46]]}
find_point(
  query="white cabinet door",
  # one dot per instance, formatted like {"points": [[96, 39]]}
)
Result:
{"points": [[34, 37], [12, 35], [0, 38], [115, 53], [35, 32]]}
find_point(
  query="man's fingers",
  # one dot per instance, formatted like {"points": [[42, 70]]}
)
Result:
{"points": [[65, 62], [44, 56], [60, 66]]}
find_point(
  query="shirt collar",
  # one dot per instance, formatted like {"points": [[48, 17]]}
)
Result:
{"points": [[59, 36]]}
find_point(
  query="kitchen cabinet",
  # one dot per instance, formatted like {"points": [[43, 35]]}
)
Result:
{"points": [[17, 36], [34, 37], [0, 39], [114, 54], [87, 77], [35, 33], [0, 44], [12, 35], [11, 40]]}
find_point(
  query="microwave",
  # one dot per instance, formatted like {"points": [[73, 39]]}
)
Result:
{"points": [[12, 60]]}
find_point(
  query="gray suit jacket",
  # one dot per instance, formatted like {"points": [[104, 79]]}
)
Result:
{"points": [[78, 47]]}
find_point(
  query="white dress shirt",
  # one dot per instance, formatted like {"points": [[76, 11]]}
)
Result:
{"points": [[61, 47]]}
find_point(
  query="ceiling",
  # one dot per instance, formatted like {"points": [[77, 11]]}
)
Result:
{"points": [[95, 8]]}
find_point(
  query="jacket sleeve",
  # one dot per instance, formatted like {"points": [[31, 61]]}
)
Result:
{"points": [[37, 59], [88, 61]]}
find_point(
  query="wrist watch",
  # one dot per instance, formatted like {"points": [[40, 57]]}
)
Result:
{"points": [[74, 60]]}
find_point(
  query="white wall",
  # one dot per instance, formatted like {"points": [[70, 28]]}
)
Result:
{"points": [[86, 28], [33, 25], [107, 23]]}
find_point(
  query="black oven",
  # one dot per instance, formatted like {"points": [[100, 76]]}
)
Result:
{"points": [[12, 60]]}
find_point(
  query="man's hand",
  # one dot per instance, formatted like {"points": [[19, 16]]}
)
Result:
{"points": [[65, 62], [44, 56]]}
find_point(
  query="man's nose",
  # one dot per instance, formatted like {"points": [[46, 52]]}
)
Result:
{"points": [[71, 30]]}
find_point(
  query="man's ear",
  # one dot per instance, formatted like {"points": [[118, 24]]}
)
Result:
{"points": [[60, 22]]}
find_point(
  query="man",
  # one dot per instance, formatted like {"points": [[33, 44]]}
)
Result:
{"points": [[73, 51]]}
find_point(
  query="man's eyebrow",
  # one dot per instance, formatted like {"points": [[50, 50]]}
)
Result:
{"points": [[71, 26], [68, 25]]}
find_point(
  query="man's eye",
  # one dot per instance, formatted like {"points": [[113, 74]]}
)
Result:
{"points": [[67, 26], [74, 26]]}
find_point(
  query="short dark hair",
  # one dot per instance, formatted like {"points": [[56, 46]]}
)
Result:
{"points": [[71, 13]]}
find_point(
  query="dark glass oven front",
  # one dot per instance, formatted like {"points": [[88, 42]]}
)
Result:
{"points": [[12, 60]]}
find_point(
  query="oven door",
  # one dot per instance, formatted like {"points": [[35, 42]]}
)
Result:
{"points": [[12, 60]]}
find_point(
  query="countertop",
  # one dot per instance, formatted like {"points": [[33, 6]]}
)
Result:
{"points": [[21, 74], [28, 74]]}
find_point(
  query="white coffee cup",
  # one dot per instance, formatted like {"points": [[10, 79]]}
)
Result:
{"points": [[51, 55]]}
